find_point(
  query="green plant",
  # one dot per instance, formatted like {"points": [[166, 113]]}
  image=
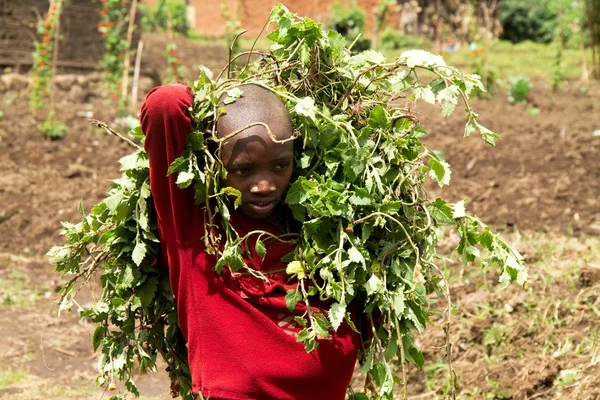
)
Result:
{"points": [[175, 69], [593, 19], [112, 26], [42, 70], [487, 72], [156, 19], [527, 20], [53, 128], [392, 39], [349, 21], [519, 87], [233, 27], [369, 231]]}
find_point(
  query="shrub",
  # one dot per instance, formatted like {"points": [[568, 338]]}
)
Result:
{"points": [[349, 21], [519, 87], [392, 39], [527, 20], [53, 128], [156, 19]]}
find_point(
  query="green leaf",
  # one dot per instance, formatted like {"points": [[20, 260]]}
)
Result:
{"points": [[391, 208], [139, 252], [448, 97], [137, 160], [229, 191], [378, 118], [296, 268], [374, 285], [260, 248], [98, 336], [301, 190], [321, 326], [441, 211], [147, 292], [420, 58], [235, 92], [440, 171], [488, 136], [361, 197], [292, 297], [398, 302], [459, 210], [378, 371], [337, 312], [355, 256], [306, 107], [184, 179]]}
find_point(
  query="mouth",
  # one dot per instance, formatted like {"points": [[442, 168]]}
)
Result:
{"points": [[262, 207]]}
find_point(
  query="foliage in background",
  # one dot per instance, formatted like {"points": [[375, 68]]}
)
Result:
{"points": [[349, 21], [527, 20], [593, 19], [381, 11], [175, 70], [113, 27], [156, 19], [481, 66], [42, 69], [519, 87], [233, 26], [369, 230], [52, 127], [393, 39]]}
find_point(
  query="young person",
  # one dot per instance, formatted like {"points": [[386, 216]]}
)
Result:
{"points": [[241, 337]]}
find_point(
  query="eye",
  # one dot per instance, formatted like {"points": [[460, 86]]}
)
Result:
{"points": [[281, 166], [241, 171]]}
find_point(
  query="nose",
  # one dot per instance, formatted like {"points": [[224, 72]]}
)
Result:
{"points": [[263, 186]]}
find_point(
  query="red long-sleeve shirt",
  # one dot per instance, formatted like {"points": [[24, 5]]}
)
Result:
{"points": [[241, 337]]}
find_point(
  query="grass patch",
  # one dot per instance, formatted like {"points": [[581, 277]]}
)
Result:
{"points": [[10, 377], [16, 290], [516, 342]]}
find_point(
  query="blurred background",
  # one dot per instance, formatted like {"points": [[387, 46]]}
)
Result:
{"points": [[63, 62]]}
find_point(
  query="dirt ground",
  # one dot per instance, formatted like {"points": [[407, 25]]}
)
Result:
{"points": [[540, 184]]}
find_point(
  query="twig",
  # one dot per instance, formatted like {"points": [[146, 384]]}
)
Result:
{"points": [[136, 74], [254, 44], [271, 135], [63, 351], [110, 131], [231, 52], [447, 329]]}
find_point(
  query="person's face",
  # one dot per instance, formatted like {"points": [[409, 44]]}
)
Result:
{"points": [[259, 168]]}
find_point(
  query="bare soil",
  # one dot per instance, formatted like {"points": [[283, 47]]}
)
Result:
{"points": [[542, 180]]}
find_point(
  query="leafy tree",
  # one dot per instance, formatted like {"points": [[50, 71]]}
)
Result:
{"points": [[527, 20]]}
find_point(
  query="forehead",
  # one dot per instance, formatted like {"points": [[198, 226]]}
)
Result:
{"points": [[254, 147]]}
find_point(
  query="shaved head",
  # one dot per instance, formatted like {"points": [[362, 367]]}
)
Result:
{"points": [[255, 105], [259, 167]]}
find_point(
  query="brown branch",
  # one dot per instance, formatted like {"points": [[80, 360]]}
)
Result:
{"points": [[110, 131]]}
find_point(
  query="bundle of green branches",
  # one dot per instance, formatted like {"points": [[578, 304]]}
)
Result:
{"points": [[369, 230]]}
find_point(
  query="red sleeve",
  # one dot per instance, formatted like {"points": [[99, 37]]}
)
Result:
{"points": [[165, 122]]}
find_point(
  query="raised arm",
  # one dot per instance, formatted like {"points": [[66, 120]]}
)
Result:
{"points": [[166, 122]]}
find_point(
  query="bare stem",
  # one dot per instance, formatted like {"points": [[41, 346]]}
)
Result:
{"points": [[110, 131]]}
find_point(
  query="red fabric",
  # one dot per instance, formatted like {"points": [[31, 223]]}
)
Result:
{"points": [[241, 337]]}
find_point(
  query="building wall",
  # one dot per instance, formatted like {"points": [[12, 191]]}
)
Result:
{"points": [[205, 15], [255, 13]]}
